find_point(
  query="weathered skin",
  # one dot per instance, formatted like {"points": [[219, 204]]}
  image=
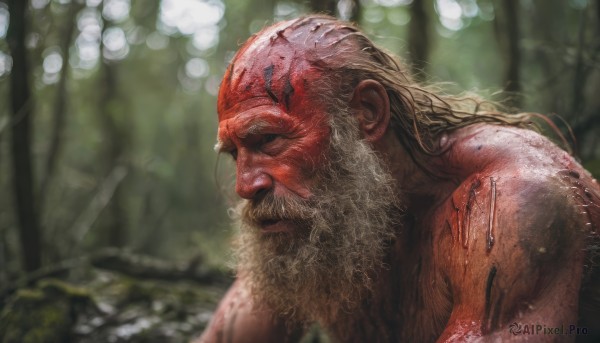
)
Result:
{"points": [[273, 84], [504, 237]]}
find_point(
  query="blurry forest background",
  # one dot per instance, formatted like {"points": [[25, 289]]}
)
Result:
{"points": [[108, 120]]}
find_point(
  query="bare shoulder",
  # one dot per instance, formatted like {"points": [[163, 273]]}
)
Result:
{"points": [[529, 166], [532, 212], [492, 146], [526, 173], [516, 230], [519, 192]]}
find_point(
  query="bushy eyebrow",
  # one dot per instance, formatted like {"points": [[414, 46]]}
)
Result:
{"points": [[256, 126]]}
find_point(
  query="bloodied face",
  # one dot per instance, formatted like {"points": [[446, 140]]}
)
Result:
{"points": [[276, 149], [276, 153], [318, 208], [268, 122]]}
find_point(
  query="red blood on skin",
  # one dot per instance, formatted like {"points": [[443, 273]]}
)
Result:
{"points": [[267, 117]]}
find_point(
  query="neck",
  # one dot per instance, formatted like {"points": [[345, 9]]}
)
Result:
{"points": [[414, 183]]}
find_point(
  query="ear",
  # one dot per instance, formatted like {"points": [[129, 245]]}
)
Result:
{"points": [[371, 105]]}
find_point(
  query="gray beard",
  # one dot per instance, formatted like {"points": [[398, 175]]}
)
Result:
{"points": [[328, 264]]}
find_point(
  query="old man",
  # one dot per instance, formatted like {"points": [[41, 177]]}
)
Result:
{"points": [[384, 211]]}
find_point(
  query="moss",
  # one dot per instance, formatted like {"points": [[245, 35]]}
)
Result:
{"points": [[110, 306], [143, 292], [63, 289], [28, 295], [126, 290], [32, 318], [43, 314]]}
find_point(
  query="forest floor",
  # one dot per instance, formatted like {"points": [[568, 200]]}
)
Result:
{"points": [[113, 297]]}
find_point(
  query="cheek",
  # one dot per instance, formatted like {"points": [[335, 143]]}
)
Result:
{"points": [[316, 149], [311, 149], [288, 174], [293, 178], [297, 168]]}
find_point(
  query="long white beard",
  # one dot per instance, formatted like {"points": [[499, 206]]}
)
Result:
{"points": [[327, 265]]}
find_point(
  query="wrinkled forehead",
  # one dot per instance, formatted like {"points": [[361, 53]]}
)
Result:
{"points": [[278, 65]]}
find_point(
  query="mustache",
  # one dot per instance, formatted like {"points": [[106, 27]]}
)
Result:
{"points": [[271, 208]]}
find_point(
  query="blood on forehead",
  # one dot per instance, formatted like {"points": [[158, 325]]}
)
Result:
{"points": [[279, 64]]}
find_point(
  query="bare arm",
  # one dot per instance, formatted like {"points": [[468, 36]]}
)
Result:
{"points": [[236, 320], [517, 260]]}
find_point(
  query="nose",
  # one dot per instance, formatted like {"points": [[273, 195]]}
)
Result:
{"points": [[251, 181]]}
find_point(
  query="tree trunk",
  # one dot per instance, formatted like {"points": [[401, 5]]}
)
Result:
{"points": [[582, 70], [356, 11], [115, 145], [324, 6], [598, 15], [60, 105], [21, 111], [349, 10], [418, 37], [507, 31], [114, 148]]}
